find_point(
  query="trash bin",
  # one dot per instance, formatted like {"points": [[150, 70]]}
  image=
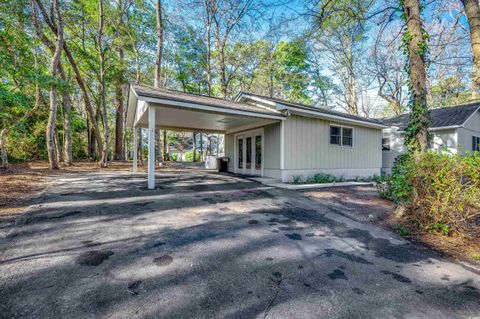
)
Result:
{"points": [[223, 164]]}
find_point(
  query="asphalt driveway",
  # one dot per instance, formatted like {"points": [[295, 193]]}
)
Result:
{"points": [[214, 246]]}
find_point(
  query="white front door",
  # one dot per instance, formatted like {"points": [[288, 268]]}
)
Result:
{"points": [[249, 153]]}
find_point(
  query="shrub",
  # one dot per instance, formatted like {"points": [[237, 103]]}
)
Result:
{"points": [[174, 157], [189, 156], [397, 187], [320, 178], [297, 179], [441, 191], [404, 231]]}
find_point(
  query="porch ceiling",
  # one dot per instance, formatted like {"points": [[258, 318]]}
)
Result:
{"points": [[175, 118], [188, 112]]}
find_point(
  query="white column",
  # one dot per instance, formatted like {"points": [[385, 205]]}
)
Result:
{"points": [[135, 149], [151, 147], [282, 145]]}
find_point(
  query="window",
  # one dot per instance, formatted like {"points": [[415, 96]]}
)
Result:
{"points": [[248, 164], [335, 135], [258, 152], [347, 136], [386, 144], [341, 136], [240, 153], [476, 143]]}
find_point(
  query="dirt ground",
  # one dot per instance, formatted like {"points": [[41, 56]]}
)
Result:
{"points": [[22, 182], [362, 203]]}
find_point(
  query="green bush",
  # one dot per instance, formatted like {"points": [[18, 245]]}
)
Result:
{"points": [[397, 187], [404, 231], [441, 191], [320, 178], [189, 156], [174, 157], [297, 179]]}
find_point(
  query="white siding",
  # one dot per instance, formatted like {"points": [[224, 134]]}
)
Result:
{"points": [[272, 146], [396, 147], [444, 139], [441, 139], [471, 128], [307, 146]]}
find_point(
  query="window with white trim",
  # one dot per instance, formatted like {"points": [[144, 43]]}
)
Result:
{"points": [[475, 143], [341, 136]]}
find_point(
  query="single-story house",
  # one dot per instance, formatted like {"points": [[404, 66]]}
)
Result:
{"points": [[455, 128], [263, 136]]}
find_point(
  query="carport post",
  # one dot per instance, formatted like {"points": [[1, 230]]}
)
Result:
{"points": [[151, 147], [135, 149]]}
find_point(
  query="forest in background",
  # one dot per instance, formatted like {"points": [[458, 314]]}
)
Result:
{"points": [[66, 65]]}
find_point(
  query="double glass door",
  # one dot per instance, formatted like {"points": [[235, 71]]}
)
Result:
{"points": [[249, 153]]}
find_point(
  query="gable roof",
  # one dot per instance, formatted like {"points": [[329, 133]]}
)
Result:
{"points": [[444, 117], [178, 96], [322, 112]]}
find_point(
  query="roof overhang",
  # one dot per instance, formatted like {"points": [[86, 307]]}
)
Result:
{"points": [[191, 116], [433, 129], [302, 111]]}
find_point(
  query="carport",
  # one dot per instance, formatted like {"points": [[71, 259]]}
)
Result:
{"points": [[161, 108]]}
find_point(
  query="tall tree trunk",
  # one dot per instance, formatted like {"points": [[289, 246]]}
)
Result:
{"points": [[89, 140], [119, 153], [3, 147], [194, 147], [67, 123], [78, 76], [472, 11], [103, 105], [201, 147], [58, 147], [120, 113], [417, 130], [223, 70], [208, 28], [158, 63], [140, 146], [66, 101], [165, 144], [158, 141], [52, 115]]}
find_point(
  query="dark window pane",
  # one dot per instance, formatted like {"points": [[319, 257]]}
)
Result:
{"points": [[335, 140], [348, 132], [335, 135], [347, 141], [258, 152], [334, 130], [347, 136], [475, 143], [248, 164], [240, 153]]}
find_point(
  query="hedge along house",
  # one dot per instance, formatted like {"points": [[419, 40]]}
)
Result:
{"points": [[455, 129], [263, 136]]}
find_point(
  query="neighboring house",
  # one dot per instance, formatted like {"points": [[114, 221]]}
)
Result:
{"points": [[263, 136], [456, 129]]}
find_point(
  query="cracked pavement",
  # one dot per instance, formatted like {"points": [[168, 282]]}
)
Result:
{"points": [[205, 245]]}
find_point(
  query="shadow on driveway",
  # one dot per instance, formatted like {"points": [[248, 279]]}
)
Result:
{"points": [[208, 245]]}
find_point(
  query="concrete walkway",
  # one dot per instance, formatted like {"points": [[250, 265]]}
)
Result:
{"points": [[214, 246]]}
